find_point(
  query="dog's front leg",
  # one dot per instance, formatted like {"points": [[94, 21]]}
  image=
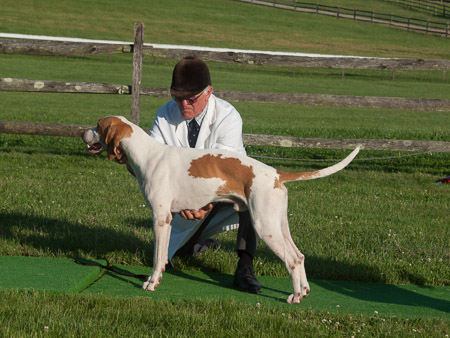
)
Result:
{"points": [[161, 229]]}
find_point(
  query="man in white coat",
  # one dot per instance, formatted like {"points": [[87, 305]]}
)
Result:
{"points": [[196, 118]]}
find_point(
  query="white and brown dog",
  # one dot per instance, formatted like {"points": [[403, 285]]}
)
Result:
{"points": [[174, 178]]}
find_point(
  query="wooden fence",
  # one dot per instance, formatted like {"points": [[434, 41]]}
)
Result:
{"points": [[408, 23], [26, 85], [74, 130], [436, 8], [59, 48], [135, 91]]}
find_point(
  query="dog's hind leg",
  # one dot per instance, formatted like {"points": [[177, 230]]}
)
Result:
{"points": [[269, 229], [300, 260], [161, 229], [300, 257], [271, 225]]}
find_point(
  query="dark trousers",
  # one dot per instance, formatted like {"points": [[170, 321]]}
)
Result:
{"points": [[246, 237]]}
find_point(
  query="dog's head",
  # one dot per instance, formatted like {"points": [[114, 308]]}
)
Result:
{"points": [[107, 135]]}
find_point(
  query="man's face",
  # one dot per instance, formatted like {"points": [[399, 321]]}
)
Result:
{"points": [[193, 106]]}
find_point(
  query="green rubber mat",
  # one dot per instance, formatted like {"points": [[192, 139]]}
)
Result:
{"points": [[45, 274], [368, 299], [403, 301]]}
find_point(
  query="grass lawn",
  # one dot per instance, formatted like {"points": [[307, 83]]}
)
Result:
{"points": [[382, 220], [203, 23]]}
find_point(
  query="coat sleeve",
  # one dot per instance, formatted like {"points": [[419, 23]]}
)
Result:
{"points": [[228, 130], [156, 133], [166, 124]]}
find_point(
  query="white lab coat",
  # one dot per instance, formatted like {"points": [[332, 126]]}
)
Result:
{"points": [[221, 128]]}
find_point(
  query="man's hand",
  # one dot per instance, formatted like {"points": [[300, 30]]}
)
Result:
{"points": [[196, 215]]}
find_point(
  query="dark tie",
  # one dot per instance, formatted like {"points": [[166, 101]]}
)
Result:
{"points": [[193, 133]]}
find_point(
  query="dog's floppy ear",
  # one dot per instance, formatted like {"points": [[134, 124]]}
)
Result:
{"points": [[112, 140], [113, 130], [118, 154]]}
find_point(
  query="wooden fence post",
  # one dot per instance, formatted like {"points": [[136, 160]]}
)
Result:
{"points": [[137, 72]]}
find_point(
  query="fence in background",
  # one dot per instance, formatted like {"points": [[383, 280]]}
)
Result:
{"points": [[436, 8], [407, 23], [61, 48], [26, 85], [135, 90]]}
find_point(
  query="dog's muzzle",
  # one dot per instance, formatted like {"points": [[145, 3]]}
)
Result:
{"points": [[90, 138]]}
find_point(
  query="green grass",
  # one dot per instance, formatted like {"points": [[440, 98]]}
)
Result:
{"points": [[380, 220], [80, 316], [117, 69], [380, 7], [377, 239], [204, 23], [259, 118]]}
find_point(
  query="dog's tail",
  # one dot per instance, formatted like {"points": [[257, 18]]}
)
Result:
{"points": [[303, 176]]}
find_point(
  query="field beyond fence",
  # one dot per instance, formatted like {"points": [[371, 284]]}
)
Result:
{"points": [[43, 47], [407, 23]]}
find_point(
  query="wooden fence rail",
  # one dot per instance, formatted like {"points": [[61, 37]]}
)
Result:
{"points": [[59, 48], [62, 48], [432, 7], [25, 85], [71, 130], [409, 23]]}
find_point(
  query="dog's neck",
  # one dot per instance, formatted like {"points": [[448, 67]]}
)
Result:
{"points": [[136, 146]]}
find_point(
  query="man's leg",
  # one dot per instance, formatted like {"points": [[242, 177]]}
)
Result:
{"points": [[244, 278], [193, 246]]}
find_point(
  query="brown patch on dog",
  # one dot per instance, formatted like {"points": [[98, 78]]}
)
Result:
{"points": [[112, 130], [288, 177], [237, 176]]}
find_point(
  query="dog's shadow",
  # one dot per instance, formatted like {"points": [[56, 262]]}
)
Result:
{"points": [[216, 279], [369, 292]]}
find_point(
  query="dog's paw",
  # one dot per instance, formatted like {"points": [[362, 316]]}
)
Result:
{"points": [[149, 286], [294, 299], [305, 292]]}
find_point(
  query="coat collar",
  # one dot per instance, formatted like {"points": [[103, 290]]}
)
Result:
{"points": [[205, 128]]}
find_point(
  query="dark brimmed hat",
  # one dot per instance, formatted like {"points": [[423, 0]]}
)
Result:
{"points": [[190, 76]]}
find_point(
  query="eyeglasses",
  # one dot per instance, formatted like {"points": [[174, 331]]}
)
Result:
{"points": [[190, 100]]}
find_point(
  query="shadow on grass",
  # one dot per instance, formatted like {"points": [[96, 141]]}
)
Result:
{"points": [[415, 297], [388, 294], [59, 236], [213, 284]]}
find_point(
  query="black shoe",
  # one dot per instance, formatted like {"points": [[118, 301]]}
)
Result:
{"points": [[207, 244], [245, 280]]}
